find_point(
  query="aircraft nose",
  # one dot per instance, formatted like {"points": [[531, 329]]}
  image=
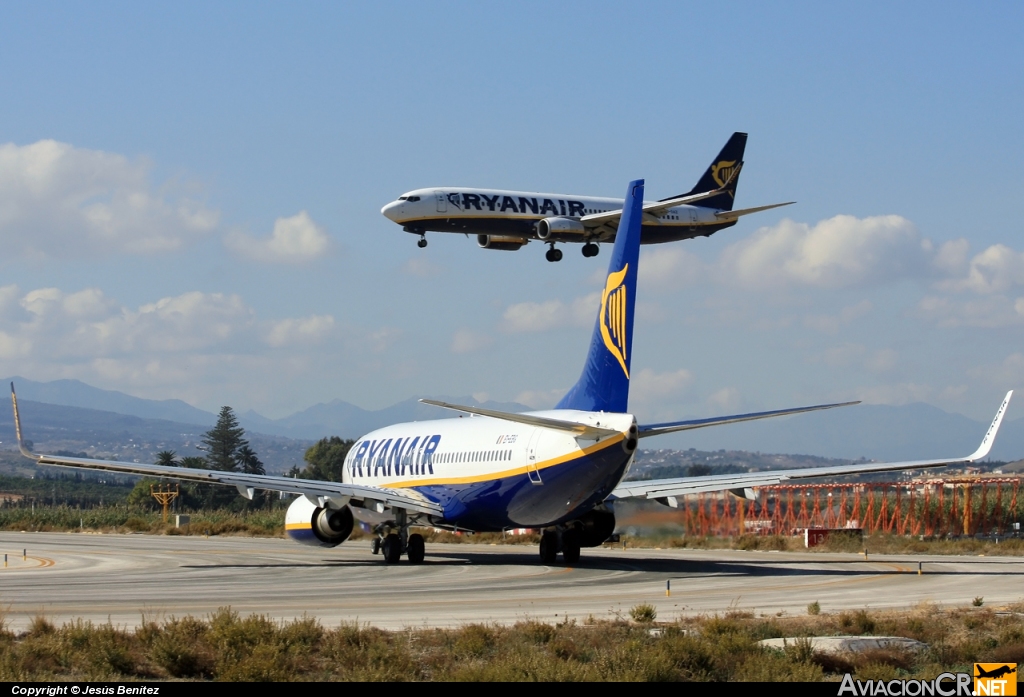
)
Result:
{"points": [[391, 210]]}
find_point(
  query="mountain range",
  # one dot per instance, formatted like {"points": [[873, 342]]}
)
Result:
{"points": [[878, 432]]}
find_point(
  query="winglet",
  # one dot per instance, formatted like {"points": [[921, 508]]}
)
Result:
{"points": [[990, 435], [17, 428]]}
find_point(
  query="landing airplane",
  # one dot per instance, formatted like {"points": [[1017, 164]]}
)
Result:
{"points": [[507, 220], [559, 471]]}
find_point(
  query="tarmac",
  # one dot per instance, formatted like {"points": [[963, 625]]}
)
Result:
{"points": [[126, 579]]}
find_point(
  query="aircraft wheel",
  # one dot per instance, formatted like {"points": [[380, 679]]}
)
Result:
{"points": [[590, 249], [422, 242], [551, 254], [375, 546], [416, 549], [392, 549], [570, 546], [548, 547]]}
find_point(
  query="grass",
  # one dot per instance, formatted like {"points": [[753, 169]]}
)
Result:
{"points": [[228, 647]]}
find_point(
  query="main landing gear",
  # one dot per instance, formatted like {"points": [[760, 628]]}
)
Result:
{"points": [[590, 249], [553, 254], [565, 541], [392, 543]]}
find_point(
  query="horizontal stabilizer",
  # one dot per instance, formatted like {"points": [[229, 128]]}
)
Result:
{"points": [[733, 215], [578, 429], [672, 426]]}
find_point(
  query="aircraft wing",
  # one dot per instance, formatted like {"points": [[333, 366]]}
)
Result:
{"points": [[681, 486], [246, 484]]}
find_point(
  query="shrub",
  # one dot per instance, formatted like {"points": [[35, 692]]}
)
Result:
{"points": [[814, 608], [645, 613]]}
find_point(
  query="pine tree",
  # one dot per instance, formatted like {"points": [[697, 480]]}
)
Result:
{"points": [[223, 441]]}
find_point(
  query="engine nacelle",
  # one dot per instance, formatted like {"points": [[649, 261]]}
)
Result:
{"points": [[595, 527], [560, 229], [310, 524], [509, 244]]}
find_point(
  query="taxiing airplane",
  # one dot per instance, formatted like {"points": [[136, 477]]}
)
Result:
{"points": [[507, 220], [559, 471]]}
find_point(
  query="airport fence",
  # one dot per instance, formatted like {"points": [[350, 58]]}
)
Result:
{"points": [[929, 507]]}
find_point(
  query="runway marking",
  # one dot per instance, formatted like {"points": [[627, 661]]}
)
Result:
{"points": [[41, 563]]}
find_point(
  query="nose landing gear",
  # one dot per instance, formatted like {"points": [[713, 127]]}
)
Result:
{"points": [[590, 249], [422, 242], [553, 254]]}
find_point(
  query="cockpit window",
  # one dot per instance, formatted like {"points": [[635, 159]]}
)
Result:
{"points": [[413, 198], [402, 198]]}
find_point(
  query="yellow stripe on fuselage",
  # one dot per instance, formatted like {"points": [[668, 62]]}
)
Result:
{"points": [[298, 526], [473, 479]]}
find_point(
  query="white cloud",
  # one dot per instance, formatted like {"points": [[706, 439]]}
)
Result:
{"points": [[468, 341], [989, 312], [552, 314], [541, 399], [830, 324], [995, 270], [951, 258], [1009, 373], [882, 361], [670, 266], [839, 252], [304, 330], [896, 394], [420, 267], [60, 201], [725, 399], [647, 385], [295, 240]]}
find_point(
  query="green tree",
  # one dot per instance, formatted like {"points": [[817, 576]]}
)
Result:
{"points": [[167, 458], [326, 459], [248, 462], [223, 441]]}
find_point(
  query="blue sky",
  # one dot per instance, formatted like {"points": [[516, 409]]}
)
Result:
{"points": [[190, 197]]}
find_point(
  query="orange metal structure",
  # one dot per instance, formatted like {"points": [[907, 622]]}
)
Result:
{"points": [[960, 506]]}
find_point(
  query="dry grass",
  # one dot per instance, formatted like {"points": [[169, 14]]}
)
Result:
{"points": [[226, 646]]}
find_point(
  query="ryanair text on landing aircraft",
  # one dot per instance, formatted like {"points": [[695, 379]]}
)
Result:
{"points": [[559, 471], [508, 220]]}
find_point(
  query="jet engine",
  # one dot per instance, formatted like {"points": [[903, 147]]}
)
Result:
{"points": [[595, 527], [560, 229], [510, 244], [310, 524]]}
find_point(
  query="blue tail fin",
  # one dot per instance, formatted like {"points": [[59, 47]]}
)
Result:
{"points": [[718, 174], [604, 384]]}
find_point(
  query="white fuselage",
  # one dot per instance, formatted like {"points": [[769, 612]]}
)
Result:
{"points": [[501, 212], [490, 473]]}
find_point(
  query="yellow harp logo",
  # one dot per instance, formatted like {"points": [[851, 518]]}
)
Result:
{"points": [[613, 317], [721, 171]]}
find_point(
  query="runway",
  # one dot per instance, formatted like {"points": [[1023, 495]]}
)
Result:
{"points": [[123, 578]]}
